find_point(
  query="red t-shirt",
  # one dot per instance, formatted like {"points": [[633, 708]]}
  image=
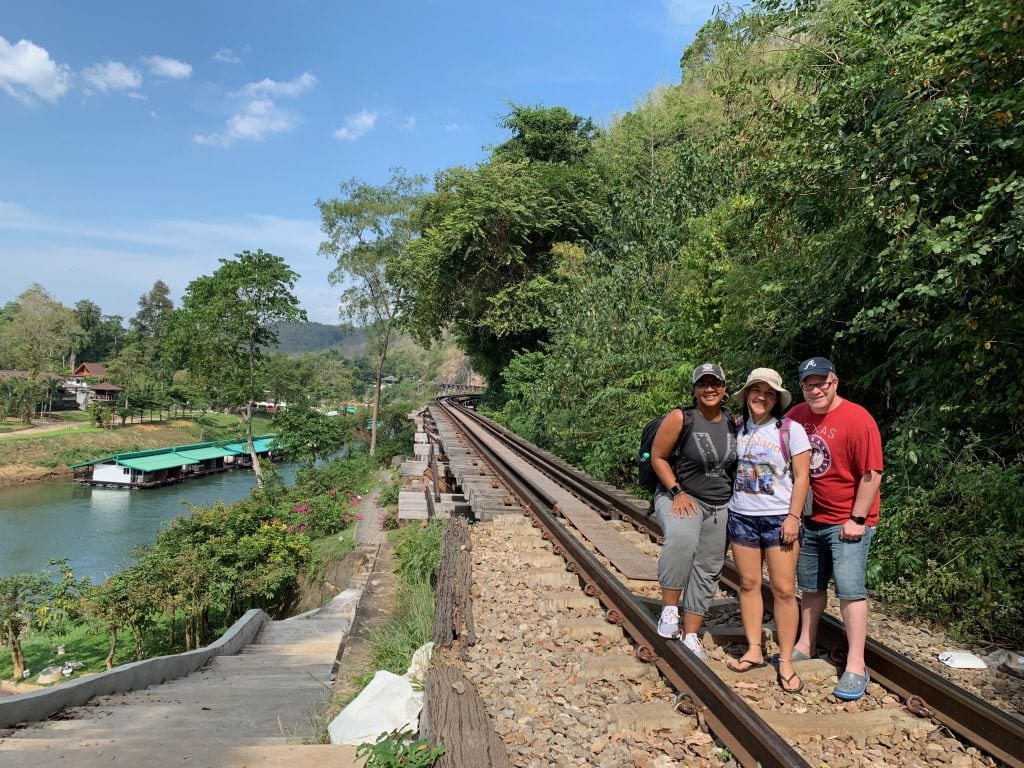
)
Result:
{"points": [[845, 445]]}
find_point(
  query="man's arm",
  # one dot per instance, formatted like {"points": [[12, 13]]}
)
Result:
{"points": [[867, 492]]}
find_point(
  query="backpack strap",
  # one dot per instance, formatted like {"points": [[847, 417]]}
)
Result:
{"points": [[684, 432], [784, 444]]}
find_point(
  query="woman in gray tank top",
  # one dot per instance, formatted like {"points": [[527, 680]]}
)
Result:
{"points": [[694, 457]]}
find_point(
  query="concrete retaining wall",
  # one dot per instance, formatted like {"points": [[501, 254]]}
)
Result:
{"points": [[39, 705]]}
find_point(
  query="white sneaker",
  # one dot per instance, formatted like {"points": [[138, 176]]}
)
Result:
{"points": [[668, 624], [692, 642]]}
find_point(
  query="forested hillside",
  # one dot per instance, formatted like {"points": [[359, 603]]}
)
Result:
{"points": [[839, 178], [312, 337]]}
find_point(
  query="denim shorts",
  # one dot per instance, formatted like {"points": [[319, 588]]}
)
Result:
{"points": [[756, 531], [824, 555]]}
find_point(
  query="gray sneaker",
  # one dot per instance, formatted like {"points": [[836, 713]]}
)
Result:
{"points": [[692, 642], [668, 624]]}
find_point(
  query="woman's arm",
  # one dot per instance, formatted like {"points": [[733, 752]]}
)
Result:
{"points": [[664, 443]]}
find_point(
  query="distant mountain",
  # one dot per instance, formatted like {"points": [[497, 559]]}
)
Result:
{"points": [[296, 338]]}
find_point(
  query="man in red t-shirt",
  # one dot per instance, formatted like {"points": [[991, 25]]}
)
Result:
{"points": [[846, 472]]}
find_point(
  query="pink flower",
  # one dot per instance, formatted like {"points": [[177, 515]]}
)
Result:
{"points": [[355, 501], [301, 508], [358, 518]]}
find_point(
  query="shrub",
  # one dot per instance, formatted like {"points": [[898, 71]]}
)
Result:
{"points": [[952, 550]]}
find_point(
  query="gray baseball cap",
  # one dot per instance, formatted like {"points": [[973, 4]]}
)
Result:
{"points": [[708, 369]]}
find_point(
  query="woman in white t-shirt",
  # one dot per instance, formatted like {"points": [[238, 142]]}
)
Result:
{"points": [[772, 479]]}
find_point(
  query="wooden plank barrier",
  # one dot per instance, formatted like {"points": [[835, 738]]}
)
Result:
{"points": [[458, 721]]}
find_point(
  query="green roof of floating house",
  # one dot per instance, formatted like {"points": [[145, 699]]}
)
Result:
{"points": [[260, 444], [155, 463], [180, 455]]}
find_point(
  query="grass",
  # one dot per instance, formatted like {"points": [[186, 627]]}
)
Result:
{"points": [[71, 416], [410, 627], [86, 643]]}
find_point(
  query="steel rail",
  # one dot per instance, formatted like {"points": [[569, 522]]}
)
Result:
{"points": [[750, 739], [925, 692]]}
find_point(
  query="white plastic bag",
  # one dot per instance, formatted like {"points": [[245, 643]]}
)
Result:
{"points": [[387, 704], [961, 660], [420, 663]]}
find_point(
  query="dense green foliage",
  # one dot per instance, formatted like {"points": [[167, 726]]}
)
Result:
{"points": [[839, 178]]}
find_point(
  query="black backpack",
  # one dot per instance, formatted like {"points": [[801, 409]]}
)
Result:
{"points": [[646, 476]]}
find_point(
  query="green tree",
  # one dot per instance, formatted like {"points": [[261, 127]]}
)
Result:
{"points": [[309, 436], [153, 320], [124, 600], [226, 321], [480, 266], [21, 596], [368, 229], [40, 337], [548, 134]]}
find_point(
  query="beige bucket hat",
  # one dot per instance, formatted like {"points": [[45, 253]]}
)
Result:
{"points": [[770, 377]]}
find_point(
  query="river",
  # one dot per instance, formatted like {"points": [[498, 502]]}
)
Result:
{"points": [[96, 528]]}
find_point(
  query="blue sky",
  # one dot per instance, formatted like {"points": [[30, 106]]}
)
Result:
{"points": [[143, 141]]}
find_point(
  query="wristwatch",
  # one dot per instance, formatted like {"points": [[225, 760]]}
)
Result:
{"points": [[675, 490], [858, 520]]}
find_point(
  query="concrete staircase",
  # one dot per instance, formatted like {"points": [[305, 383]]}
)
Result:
{"points": [[253, 710]]}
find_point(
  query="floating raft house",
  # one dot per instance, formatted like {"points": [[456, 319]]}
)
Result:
{"points": [[162, 466]]}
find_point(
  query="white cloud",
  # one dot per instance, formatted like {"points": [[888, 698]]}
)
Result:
{"points": [[227, 56], [112, 76], [260, 117], [409, 124], [454, 127], [172, 69], [356, 126], [27, 72], [268, 88]]}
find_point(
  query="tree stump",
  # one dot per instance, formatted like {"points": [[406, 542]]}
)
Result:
{"points": [[453, 604], [457, 720]]}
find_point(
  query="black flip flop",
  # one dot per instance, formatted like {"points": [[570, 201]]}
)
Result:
{"points": [[731, 665], [783, 681]]}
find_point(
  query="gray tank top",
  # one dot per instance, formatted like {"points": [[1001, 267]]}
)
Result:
{"points": [[707, 461]]}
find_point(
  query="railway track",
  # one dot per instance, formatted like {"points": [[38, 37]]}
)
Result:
{"points": [[552, 491]]}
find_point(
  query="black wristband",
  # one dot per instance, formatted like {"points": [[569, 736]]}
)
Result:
{"points": [[858, 520], [675, 490]]}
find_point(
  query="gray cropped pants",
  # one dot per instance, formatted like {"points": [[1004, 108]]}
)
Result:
{"points": [[694, 551]]}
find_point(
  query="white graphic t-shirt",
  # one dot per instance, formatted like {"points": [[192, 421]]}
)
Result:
{"points": [[763, 484]]}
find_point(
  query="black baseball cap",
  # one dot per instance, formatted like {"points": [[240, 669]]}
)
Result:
{"points": [[815, 366], [708, 369]]}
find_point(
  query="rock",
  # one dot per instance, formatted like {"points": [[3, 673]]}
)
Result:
{"points": [[50, 675]]}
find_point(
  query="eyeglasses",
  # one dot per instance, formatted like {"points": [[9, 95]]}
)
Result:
{"points": [[710, 384], [824, 386]]}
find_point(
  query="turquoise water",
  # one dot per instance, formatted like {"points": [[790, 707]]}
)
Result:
{"points": [[96, 528]]}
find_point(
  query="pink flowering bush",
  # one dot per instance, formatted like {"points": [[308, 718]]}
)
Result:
{"points": [[323, 515]]}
